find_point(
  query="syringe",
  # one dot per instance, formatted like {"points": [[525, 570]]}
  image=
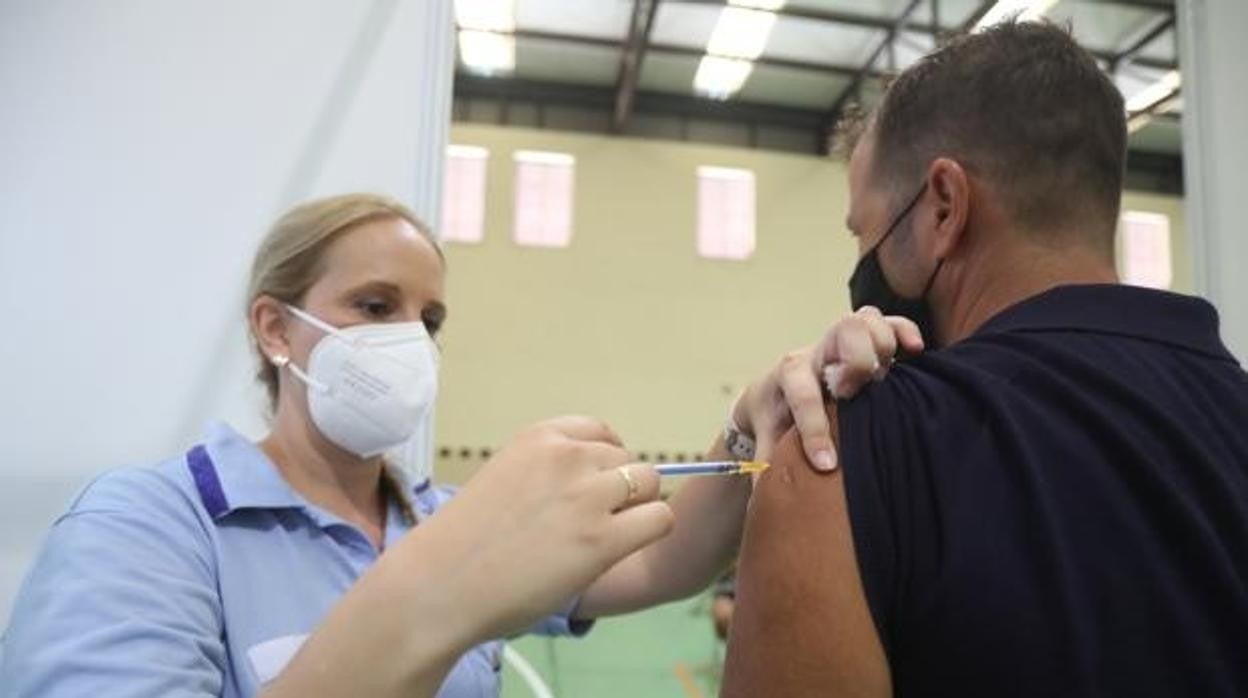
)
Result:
{"points": [[718, 467]]}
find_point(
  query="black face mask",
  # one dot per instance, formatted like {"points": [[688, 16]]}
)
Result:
{"points": [[869, 286]]}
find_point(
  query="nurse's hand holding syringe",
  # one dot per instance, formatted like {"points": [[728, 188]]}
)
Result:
{"points": [[710, 511]]}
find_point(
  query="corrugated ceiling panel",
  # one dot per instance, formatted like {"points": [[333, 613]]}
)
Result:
{"points": [[1163, 48], [1102, 27], [566, 62], [599, 18], [821, 42], [793, 88], [878, 8], [665, 72], [684, 24]]}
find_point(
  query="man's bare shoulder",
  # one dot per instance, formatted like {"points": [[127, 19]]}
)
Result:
{"points": [[802, 626]]}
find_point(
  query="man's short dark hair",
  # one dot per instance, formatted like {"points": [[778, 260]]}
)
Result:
{"points": [[1023, 107]]}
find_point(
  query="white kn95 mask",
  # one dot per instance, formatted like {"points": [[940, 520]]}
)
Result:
{"points": [[369, 386]]}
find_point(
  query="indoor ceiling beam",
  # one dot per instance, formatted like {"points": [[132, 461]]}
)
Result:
{"points": [[640, 27], [1159, 171], [603, 98], [856, 19], [855, 84], [828, 16], [975, 16], [1163, 25], [688, 51]]}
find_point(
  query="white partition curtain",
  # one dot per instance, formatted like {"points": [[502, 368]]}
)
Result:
{"points": [[433, 85], [1215, 109]]}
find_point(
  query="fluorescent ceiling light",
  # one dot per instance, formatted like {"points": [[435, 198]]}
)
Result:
{"points": [[719, 77], [1141, 119], [739, 36], [486, 15], [1150, 95], [487, 53], [740, 33], [543, 157], [1025, 10]]}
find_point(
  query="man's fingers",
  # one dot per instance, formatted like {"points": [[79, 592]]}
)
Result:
{"points": [[907, 333], [763, 444], [856, 357], [884, 339], [805, 400]]}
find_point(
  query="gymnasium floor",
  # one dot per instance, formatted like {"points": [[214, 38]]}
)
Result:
{"points": [[666, 652]]}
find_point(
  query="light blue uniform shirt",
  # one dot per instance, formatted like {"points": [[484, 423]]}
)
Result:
{"points": [[198, 577]]}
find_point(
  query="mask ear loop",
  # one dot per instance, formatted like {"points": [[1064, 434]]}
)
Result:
{"points": [[892, 227], [318, 323], [338, 333], [283, 361], [931, 280]]}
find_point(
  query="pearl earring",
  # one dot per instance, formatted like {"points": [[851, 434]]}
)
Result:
{"points": [[280, 360]]}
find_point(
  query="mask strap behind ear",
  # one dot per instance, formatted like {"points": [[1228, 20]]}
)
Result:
{"points": [[287, 363], [315, 321], [931, 280], [307, 380]]}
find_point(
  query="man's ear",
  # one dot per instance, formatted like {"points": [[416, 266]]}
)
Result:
{"points": [[949, 189], [268, 325]]}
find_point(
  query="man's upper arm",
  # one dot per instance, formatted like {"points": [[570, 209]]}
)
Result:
{"points": [[802, 626]]}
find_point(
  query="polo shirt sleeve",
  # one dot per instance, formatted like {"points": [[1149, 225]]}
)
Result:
{"points": [[564, 623], [121, 600], [895, 437]]}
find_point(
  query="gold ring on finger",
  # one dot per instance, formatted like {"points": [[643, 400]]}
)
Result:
{"points": [[629, 483]]}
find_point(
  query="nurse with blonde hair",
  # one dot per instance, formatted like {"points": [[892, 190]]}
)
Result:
{"points": [[306, 564]]}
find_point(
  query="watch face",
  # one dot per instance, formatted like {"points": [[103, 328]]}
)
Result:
{"points": [[739, 444]]}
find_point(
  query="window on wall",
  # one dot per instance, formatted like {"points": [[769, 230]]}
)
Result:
{"points": [[463, 194], [725, 213], [1144, 249], [543, 216]]}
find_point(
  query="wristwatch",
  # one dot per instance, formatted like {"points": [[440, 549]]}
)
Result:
{"points": [[740, 444]]}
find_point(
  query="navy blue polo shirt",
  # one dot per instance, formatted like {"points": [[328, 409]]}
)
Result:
{"points": [[1058, 505]]}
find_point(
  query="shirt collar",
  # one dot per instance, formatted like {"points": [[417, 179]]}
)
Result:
{"points": [[417, 490], [1117, 309], [236, 474], [247, 478]]}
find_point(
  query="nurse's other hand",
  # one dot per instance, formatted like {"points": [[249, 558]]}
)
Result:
{"points": [[855, 351], [547, 515]]}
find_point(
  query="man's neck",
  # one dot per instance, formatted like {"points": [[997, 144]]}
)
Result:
{"points": [[1006, 274]]}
